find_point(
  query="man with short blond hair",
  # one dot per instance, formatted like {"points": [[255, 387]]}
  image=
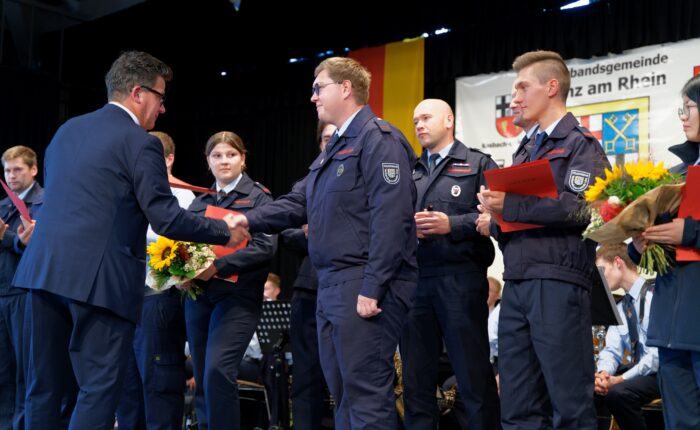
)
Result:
{"points": [[20, 166], [544, 332]]}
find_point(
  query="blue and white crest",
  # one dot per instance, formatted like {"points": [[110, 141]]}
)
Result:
{"points": [[391, 173], [578, 180]]}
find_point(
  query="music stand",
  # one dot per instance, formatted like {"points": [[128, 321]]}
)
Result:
{"points": [[603, 307], [273, 335], [273, 328]]}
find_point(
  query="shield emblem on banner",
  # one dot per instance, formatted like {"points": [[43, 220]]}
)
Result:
{"points": [[504, 117]]}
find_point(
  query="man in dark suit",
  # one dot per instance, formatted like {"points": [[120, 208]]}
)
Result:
{"points": [[105, 182]]}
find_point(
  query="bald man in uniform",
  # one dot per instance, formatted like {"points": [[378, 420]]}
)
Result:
{"points": [[450, 302]]}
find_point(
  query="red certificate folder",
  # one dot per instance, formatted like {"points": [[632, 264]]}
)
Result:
{"points": [[528, 179], [220, 251], [19, 204], [690, 207]]}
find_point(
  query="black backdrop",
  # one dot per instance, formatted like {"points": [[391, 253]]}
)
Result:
{"points": [[264, 98]]}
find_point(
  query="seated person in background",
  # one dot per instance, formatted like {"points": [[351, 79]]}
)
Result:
{"points": [[250, 367], [494, 293], [273, 287], [626, 368]]}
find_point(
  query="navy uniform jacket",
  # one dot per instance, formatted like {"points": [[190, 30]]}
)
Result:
{"points": [[105, 181], [10, 247], [557, 250], [675, 320], [251, 263], [295, 240], [452, 189], [359, 197]]}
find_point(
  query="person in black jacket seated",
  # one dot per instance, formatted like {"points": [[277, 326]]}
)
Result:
{"points": [[221, 322], [674, 325]]}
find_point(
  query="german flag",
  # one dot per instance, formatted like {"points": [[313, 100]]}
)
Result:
{"points": [[397, 82]]}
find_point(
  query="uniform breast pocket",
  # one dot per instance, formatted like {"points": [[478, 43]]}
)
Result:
{"points": [[458, 188], [343, 172], [242, 205]]}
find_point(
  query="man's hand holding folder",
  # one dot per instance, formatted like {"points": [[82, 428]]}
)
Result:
{"points": [[529, 179]]}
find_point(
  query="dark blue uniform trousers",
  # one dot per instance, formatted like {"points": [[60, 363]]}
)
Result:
{"points": [[13, 358], [153, 396], [131, 414], [218, 334], [453, 308], [625, 400], [546, 356], [357, 354], [679, 379], [73, 338], [308, 384]]}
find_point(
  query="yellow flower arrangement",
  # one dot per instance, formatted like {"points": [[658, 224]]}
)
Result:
{"points": [[162, 253], [175, 263], [620, 205]]}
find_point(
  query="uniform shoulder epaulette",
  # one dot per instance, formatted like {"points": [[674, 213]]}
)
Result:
{"points": [[586, 133], [263, 187], [479, 151], [384, 126]]}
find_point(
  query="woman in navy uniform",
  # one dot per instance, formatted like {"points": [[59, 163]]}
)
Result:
{"points": [[221, 322], [674, 323]]}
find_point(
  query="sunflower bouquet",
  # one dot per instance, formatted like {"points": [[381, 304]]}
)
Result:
{"points": [[174, 263], [627, 201]]}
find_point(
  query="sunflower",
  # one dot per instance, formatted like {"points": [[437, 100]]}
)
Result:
{"points": [[162, 252], [595, 191]]}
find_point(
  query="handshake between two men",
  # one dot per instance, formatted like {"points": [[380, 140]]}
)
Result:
{"points": [[238, 228]]}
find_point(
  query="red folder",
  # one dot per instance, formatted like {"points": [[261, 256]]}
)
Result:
{"points": [[19, 204], [528, 179], [690, 207], [220, 251]]}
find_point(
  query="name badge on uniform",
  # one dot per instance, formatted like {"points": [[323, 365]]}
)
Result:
{"points": [[340, 170], [391, 173], [578, 180], [456, 191]]}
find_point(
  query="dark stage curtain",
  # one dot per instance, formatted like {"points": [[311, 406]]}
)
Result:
{"points": [[266, 100]]}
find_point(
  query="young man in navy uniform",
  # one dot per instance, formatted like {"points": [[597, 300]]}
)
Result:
{"points": [[20, 166], [544, 333], [358, 200], [451, 300]]}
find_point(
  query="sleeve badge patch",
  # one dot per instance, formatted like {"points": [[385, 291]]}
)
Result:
{"points": [[578, 180], [390, 172]]}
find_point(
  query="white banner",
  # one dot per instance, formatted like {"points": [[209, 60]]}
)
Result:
{"points": [[629, 101]]}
